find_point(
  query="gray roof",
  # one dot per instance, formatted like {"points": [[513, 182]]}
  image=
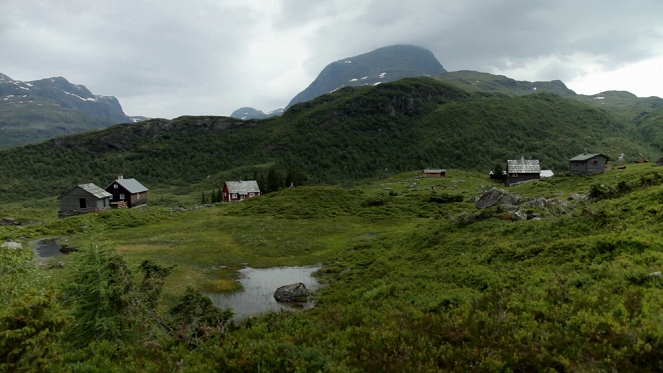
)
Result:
{"points": [[243, 187], [434, 171], [131, 185], [584, 157], [92, 189], [523, 166]]}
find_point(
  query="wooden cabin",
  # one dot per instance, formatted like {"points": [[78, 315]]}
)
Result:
{"points": [[589, 163], [435, 173], [127, 193], [84, 199], [235, 191], [522, 170]]}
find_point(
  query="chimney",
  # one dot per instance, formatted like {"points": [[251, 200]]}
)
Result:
{"points": [[120, 177]]}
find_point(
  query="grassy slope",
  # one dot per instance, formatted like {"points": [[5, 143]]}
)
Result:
{"points": [[569, 293]]}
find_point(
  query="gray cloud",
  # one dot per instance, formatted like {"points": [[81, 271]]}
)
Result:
{"points": [[163, 58]]}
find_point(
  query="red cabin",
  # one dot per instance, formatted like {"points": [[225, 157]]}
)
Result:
{"points": [[235, 191]]}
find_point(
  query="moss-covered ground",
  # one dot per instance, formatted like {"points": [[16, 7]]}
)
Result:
{"points": [[411, 286]]}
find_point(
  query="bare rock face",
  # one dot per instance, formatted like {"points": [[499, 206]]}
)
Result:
{"points": [[494, 197], [291, 293]]}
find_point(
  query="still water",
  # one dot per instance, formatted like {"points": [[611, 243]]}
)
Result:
{"points": [[50, 248], [259, 286]]}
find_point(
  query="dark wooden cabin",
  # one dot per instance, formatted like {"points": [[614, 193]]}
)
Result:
{"points": [[235, 191], [127, 193], [521, 170], [590, 163], [84, 199], [435, 173]]}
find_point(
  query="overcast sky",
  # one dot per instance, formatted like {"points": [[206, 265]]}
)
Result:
{"points": [[164, 58]]}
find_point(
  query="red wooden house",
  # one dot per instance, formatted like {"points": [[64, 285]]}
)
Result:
{"points": [[235, 191]]}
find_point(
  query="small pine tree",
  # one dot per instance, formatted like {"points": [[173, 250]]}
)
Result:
{"points": [[203, 199], [274, 181]]}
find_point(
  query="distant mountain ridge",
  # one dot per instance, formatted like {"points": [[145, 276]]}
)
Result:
{"points": [[251, 113], [40, 109], [624, 104], [382, 65]]}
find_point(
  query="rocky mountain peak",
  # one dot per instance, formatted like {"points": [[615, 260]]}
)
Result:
{"points": [[382, 65]]}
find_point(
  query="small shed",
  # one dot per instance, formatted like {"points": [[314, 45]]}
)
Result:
{"points": [[589, 163], [521, 170], [127, 193], [235, 191], [83, 199], [435, 173]]}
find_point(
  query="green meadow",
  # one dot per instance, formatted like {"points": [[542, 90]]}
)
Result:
{"points": [[417, 279]]}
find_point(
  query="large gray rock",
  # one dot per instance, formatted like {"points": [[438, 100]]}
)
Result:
{"points": [[12, 245], [578, 197], [291, 293], [495, 196], [519, 215]]}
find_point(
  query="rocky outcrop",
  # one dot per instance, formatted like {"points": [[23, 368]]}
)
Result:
{"points": [[291, 293], [495, 197]]}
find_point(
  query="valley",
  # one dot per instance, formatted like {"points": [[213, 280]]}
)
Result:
{"points": [[415, 276]]}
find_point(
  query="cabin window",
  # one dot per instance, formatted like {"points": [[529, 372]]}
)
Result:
{"points": [[596, 163], [121, 196], [514, 175], [138, 196], [115, 186], [234, 195], [251, 194], [82, 202], [104, 202]]}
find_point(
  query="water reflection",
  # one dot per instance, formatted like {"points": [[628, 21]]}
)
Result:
{"points": [[51, 248], [259, 286]]}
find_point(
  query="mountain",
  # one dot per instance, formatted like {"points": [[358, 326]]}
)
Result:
{"points": [[41, 109], [351, 135], [624, 104], [251, 113], [382, 65]]}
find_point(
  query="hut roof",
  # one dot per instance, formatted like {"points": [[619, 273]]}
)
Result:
{"points": [[584, 157], [523, 166], [243, 187], [131, 185], [90, 188]]}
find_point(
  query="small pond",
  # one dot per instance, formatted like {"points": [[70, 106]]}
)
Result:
{"points": [[259, 286], [50, 247]]}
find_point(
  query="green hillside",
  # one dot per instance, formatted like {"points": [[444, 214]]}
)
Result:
{"points": [[415, 282], [624, 105], [354, 134], [650, 126]]}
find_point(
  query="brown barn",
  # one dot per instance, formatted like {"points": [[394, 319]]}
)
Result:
{"points": [[235, 191], [127, 193], [83, 199], [521, 170], [435, 173], [588, 163]]}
